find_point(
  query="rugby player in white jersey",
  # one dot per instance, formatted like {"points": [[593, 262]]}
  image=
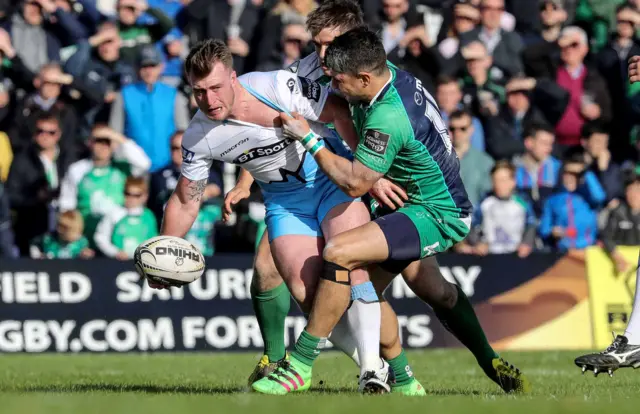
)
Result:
{"points": [[271, 301], [238, 122]]}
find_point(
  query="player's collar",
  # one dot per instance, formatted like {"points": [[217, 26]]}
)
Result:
{"points": [[384, 87]]}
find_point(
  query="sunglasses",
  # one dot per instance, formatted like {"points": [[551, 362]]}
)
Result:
{"points": [[459, 128], [104, 141], [573, 45], [176, 148], [629, 22], [135, 195], [292, 40], [50, 132]]}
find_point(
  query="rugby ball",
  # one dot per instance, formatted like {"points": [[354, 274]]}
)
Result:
{"points": [[169, 260]]}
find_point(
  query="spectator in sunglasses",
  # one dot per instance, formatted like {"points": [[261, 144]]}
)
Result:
{"points": [[123, 228], [295, 40], [475, 165], [34, 180], [95, 185], [51, 93], [589, 98], [503, 46], [612, 64], [569, 217]]}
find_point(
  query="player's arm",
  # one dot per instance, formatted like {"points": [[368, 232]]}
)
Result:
{"points": [[354, 178], [183, 206]]}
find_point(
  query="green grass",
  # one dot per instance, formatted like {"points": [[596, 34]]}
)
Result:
{"points": [[212, 383]]}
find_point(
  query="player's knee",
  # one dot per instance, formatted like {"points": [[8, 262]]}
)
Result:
{"points": [[335, 253]]}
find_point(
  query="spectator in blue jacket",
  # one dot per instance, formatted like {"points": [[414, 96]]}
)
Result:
{"points": [[569, 217], [40, 29], [537, 170], [595, 141], [150, 111]]}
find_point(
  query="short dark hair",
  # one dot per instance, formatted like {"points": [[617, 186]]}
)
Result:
{"points": [[573, 155], [204, 55], [50, 115], [504, 164], [445, 80], [460, 113], [591, 128], [533, 129], [358, 50], [343, 14]]}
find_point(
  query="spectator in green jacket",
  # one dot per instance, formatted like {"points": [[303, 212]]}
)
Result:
{"points": [[135, 35]]}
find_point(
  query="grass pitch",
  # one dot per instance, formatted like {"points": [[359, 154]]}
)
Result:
{"points": [[215, 383]]}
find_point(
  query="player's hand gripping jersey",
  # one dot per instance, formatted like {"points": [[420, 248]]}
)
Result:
{"points": [[403, 136], [297, 194]]}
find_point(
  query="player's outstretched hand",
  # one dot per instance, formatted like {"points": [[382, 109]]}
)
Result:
{"points": [[232, 198], [296, 127], [388, 193], [634, 69]]}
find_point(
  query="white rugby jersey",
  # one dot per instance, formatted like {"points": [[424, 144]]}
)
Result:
{"points": [[308, 67], [263, 151]]}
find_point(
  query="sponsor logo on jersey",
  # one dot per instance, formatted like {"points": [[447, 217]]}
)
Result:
{"points": [[376, 141], [293, 86], [310, 89], [260, 152], [187, 156], [294, 66], [236, 145]]}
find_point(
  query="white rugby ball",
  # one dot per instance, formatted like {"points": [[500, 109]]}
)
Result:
{"points": [[169, 260]]}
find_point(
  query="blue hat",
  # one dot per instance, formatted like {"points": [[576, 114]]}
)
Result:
{"points": [[150, 56]]}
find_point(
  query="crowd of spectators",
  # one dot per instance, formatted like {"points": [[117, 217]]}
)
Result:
{"points": [[93, 104]]}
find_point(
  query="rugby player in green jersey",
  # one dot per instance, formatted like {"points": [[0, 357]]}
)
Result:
{"points": [[403, 138]]}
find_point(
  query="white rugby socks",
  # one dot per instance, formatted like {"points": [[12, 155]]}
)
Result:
{"points": [[342, 338], [364, 321], [633, 327]]}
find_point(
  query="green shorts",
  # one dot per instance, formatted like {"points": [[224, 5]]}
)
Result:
{"points": [[413, 232]]}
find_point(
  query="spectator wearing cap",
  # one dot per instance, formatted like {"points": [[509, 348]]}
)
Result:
{"points": [[135, 34], [537, 171], [612, 64], [623, 224], [595, 141], [475, 165], [294, 41], [34, 181], [148, 111], [589, 99], [99, 74], [449, 98], [48, 95], [503, 46], [569, 216], [480, 93], [40, 29], [528, 102], [465, 18]]}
